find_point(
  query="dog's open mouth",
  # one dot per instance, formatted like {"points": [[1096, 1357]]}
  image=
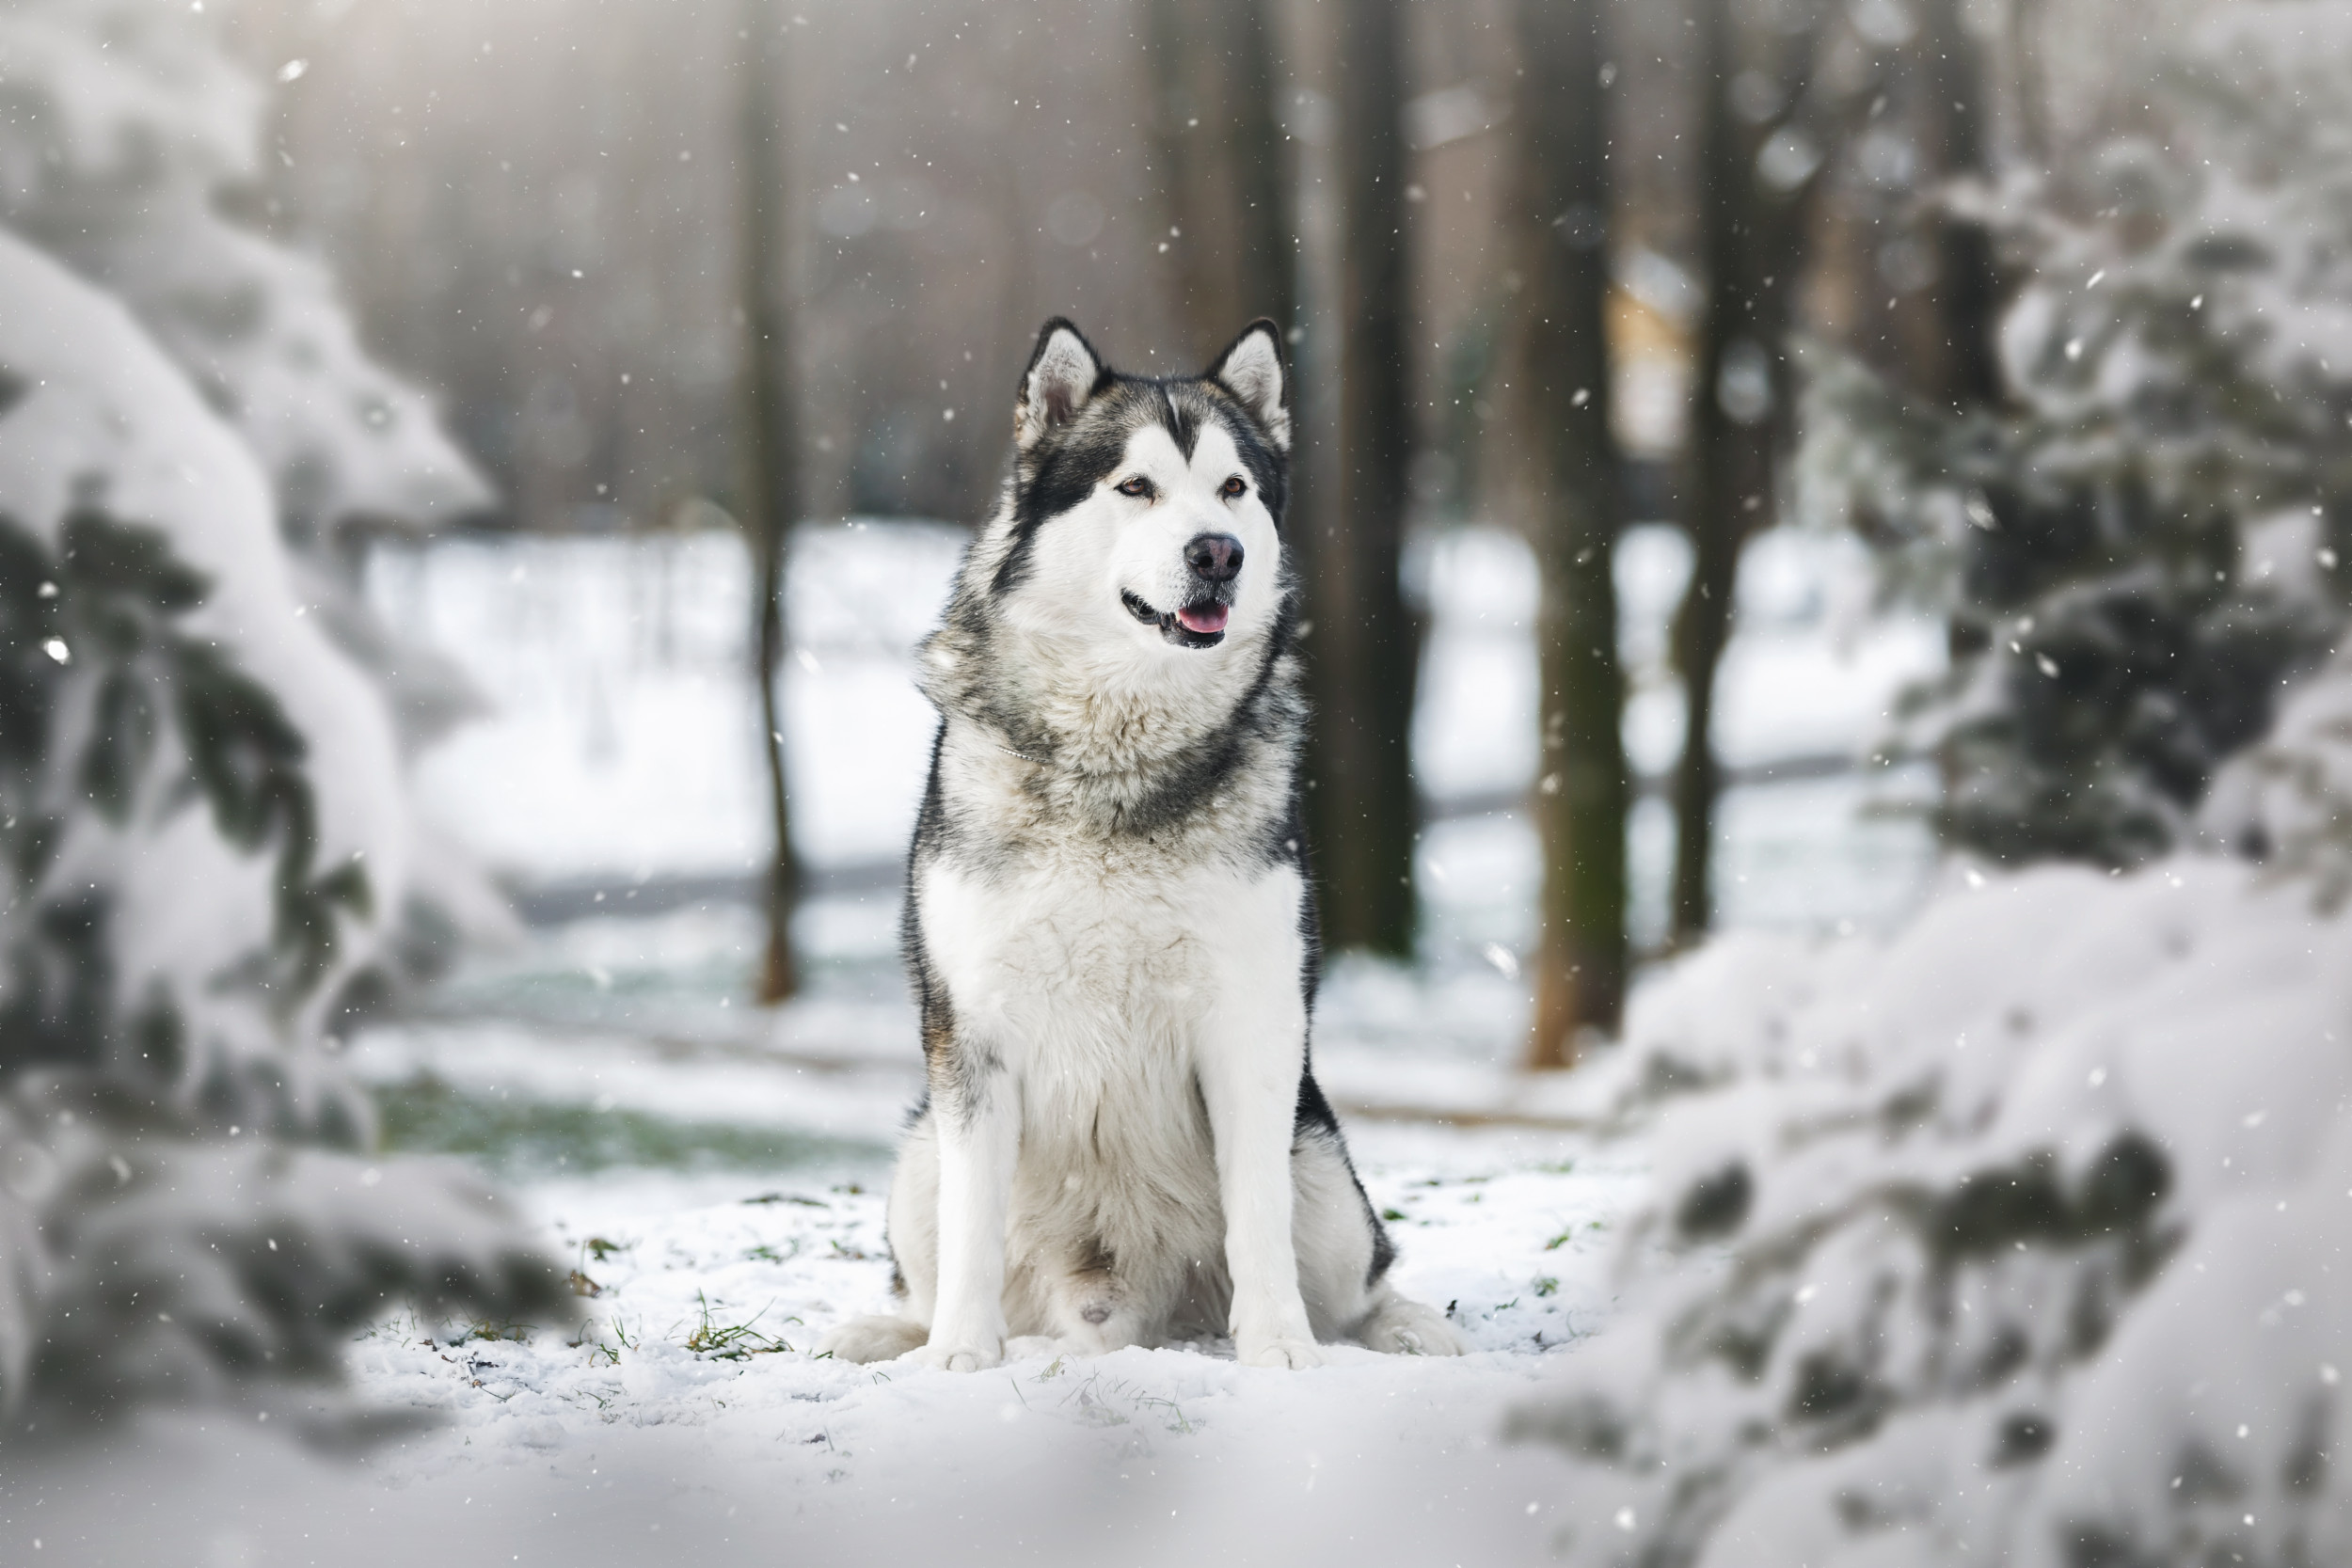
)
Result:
{"points": [[1197, 625]]}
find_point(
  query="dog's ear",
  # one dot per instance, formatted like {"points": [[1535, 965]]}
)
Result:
{"points": [[1064, 374], [1256, 372]]}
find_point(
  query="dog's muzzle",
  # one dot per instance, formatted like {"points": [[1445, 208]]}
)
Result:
{"points": [[1213, 562]]}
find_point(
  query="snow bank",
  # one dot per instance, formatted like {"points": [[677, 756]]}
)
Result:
{"points": [[2011, 1238]]}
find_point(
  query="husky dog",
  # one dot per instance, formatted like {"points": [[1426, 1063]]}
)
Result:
{"points": [[1108, 920]]}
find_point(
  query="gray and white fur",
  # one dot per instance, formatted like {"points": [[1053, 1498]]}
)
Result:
{"points": [[1109, 923]]}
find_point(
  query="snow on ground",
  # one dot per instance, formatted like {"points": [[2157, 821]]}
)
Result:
{"points": [[710, 1288], [717, 1176], [721, 1199]]}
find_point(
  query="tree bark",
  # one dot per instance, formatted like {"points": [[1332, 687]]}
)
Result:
{"points": [[1190, 134], [1224, 164], [1753, 244], [769, 484], [1266, 256], [1579, 804], [1364, 647], [2025, 31], [1968, 287]]}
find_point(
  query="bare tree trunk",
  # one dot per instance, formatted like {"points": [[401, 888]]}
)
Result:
{"points": [[1968, 288], [769, 485], [1754, 245], [2026, 22], [1579, 806], [1224, 164], [1189, 137], [1266, 256], [1364, 647]]}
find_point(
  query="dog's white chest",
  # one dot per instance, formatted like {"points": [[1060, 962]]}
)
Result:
{"points": [[1066, 963]]}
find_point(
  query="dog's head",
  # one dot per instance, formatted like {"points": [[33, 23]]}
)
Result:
{"points": [[1149, 509]]}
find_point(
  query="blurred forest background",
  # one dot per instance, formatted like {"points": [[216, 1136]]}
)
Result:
{"points": [[1820, 522], [1542, 265]]}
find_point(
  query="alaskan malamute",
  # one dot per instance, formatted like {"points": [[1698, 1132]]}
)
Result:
{"points": [[1108, 920]]}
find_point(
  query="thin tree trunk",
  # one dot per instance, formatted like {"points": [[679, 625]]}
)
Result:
{"points": [[769, 484], [1188, 134], [1266, 256], [1580, 805], [1364, 648], [1752, 241], [2026, 22], [1224, 164], [1968, 288]]}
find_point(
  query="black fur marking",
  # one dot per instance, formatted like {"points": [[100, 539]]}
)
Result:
{"points": [[1181, 424], [1292, 846], [1314, 1113], [930, 824], [1062, 473], [1383, 1249]]}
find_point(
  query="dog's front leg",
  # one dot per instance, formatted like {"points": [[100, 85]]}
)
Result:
{"points": [[1252, 1055], [977, 1113]]}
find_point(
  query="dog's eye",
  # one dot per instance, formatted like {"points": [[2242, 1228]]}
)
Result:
{"points": [[1138, 487], [1233, 487]]}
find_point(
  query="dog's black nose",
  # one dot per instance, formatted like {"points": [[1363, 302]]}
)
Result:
{"points": [[1215, 556]]}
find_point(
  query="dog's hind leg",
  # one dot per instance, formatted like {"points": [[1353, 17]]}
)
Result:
{"points": [[1344, 1252]]}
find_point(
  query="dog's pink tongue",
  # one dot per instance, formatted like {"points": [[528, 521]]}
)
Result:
{"points": [[1204, 618]]}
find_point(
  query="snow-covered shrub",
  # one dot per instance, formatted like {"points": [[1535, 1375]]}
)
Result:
{"points": [[128, 138], [199, 812], [2140, 544], [2016, 1238], [2288, 801], [127, 127]]}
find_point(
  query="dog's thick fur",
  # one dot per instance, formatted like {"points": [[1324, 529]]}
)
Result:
{"points": [[1108, 921]]}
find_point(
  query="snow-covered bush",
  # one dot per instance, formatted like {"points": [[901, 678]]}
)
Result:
{"points": [[2016, 1238], [2141, 543], [199, 812], [128, 138], [126, 129]]}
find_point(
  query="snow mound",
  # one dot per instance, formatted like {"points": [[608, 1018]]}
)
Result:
{"points": [[2008, 1239]]}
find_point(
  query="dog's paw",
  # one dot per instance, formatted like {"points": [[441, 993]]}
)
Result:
{"points": [[865, 1340], [1292, 1354], [966, 1358], [1402, 1327]]}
